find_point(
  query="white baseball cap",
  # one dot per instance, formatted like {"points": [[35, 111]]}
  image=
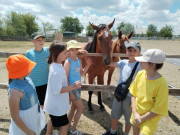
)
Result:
{"points": [[152, 55]]}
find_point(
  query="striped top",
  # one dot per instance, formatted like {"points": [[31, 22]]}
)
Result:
{"points": [[39, 74]]}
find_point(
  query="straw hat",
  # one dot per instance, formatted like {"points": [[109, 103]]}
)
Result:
{"points": [[152, 55], [73, 44], [18, 66]]}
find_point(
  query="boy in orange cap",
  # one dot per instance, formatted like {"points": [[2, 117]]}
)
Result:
{"points": [[27, 116]]}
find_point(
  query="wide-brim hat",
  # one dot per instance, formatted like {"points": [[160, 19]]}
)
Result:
{"points": [[73, 44], [152, 55], [19, 66]]}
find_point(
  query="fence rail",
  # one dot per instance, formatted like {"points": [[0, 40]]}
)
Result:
{"points": [[102, 88], [7, 54], [105, 88]]}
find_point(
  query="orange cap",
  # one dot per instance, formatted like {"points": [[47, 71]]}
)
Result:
{"points": [[19, 66]]}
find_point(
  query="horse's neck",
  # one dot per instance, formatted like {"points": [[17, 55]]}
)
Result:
{"points": [[98, 50], [115, 45]]}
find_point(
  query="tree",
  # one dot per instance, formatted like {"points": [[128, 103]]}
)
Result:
{"points": [[166, 31], [125, 28], [89, 30], [71, 24], [122, 24], [15, 24], [46, 26], [30, 23], [1, 27], [114, 32], [152, 30]]}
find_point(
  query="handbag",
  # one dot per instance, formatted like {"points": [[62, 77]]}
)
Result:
{"points": [[122, 89]]}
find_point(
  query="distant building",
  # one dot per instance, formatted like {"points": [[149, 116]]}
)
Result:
{"points": [[51, 33], [68, 34], [83, 34]]}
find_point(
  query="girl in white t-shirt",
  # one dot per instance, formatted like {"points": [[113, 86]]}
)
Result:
{"points": [[57, 96]]}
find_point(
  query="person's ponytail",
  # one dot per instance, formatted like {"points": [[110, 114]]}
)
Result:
{"points": [[49, 59]]}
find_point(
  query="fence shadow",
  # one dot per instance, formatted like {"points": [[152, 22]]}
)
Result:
{"points": [[103, 118], [5, 120], [4, 130], [174, 118]]}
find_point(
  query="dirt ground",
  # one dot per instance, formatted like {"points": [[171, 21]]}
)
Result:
{"points": [[99, 122]]}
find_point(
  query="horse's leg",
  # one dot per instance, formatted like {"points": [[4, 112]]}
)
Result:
{"points": [[109, 80], [85, 79], [90, 78], [100, 80]]}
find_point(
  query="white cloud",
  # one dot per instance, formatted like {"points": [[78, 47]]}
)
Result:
{"points": [[137, 12]]}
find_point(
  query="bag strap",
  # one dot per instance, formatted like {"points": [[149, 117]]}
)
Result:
{"points": [[132, 73]]}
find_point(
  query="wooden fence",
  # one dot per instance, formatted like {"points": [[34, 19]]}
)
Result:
{"points": [[102, 88]]}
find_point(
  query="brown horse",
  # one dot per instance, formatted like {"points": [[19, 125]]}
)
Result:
{"points": [[101, 43], [118, 47]]}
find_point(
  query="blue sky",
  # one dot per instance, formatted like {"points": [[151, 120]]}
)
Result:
{"points": [[140, 13]]}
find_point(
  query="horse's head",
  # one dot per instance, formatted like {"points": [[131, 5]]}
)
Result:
{"points": [[103, 41], [119, 43]]}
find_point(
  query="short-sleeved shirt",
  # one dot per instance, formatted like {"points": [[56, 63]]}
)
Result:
{"points": [[126, 69], [74, 71], [26, 86], [151, 95], [56, 103], [39, 74]]}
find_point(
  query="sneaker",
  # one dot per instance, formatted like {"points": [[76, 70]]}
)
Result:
{"points": [[77, 132], [109, 133], [69, 129]]}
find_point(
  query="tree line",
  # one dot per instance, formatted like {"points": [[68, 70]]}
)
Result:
{"points": [[126, 28], [17, 24]]}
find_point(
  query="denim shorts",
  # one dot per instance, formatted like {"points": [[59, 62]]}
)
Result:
{"points": [[122, 108], [77, 93]]}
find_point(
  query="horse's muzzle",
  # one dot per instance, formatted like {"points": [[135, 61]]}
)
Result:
{"points": [[107, 61]]}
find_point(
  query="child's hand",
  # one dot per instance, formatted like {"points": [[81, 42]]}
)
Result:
{"points": [[80, 52], [137, 119], [77, 85]]}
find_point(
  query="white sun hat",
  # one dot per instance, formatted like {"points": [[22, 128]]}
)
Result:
{"points": [[152, 55]]}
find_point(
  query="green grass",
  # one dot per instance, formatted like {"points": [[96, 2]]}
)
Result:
{"points": [[15, 44], [18, 44]]}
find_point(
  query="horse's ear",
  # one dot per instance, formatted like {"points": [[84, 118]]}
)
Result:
{"points": [[130, 35], [94, 26], [119, 34], [111, 24]]}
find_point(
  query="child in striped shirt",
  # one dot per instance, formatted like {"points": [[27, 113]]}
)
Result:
{"points": [[39, 74]]}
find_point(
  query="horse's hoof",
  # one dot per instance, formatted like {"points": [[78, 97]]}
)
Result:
{"points": [[91, 112], [102, 109]]}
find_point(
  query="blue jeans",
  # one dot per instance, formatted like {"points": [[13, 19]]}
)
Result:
{"points": [[77, 93]]}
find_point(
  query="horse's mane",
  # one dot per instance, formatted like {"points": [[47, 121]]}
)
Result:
{"points": [[91, 46]]}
